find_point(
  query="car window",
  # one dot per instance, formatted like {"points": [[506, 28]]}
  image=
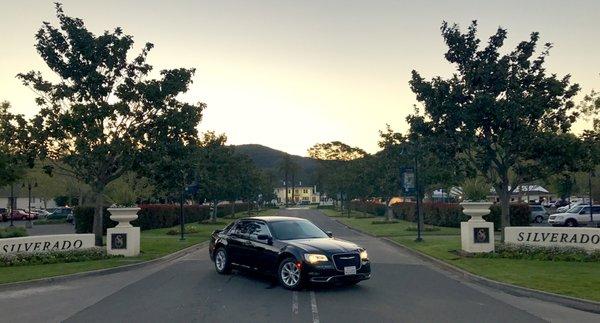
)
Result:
{"points": [[584, 210], [596, 209], [296, 229], [256, 228]]}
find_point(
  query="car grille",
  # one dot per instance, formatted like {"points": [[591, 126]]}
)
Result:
{"points": [[346, 259]]}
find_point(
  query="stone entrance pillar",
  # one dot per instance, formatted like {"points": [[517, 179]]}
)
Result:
{"points": [[124, 239], [477, 235]]}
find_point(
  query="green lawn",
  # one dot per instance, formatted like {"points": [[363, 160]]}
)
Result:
{"points": [[364, 222], [568, 278]]}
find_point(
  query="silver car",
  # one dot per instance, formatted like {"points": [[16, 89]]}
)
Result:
{"points": [[576, 216], [539, 214]]}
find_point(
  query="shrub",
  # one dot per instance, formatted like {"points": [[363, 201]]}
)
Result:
{"points": [[377, 209], [224, 210], [520, 214], [326, 207], [150, 216], [475, 189], [13, 232], [52, 257], [188, 229], [436, 213], [84, 219], [554, 253]]}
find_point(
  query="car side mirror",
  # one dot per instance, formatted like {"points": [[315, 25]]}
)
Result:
{"points": [[265, 237], [329, 233]]}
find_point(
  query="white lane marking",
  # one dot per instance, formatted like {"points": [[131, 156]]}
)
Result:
{"points": [[313, 305], [295, 302]]}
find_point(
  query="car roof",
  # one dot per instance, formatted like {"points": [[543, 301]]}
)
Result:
{"points": [[273, 218]]}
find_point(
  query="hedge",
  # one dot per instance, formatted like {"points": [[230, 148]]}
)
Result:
{"points": [[225, 209], [53, 257], [434, 213], [377, 209], [520, 215], [549, 253], [450, 214], [12, 232], [151, 216]]}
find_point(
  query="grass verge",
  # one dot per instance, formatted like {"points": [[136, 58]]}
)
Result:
{"points": [[576, 279]]}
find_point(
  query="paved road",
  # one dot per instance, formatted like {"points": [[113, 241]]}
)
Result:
{"points": [[403, 289]]}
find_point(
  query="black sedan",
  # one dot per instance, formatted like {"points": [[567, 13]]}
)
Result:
{"points": [[293, 249]]}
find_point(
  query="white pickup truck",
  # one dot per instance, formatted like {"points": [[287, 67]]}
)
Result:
{"points": [[575, 216]]}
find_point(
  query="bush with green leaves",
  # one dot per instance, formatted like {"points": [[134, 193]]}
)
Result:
{"points": [[553, 253], [520, 215], [53, 257], [377, 209], [12, 232], [475, 189]]}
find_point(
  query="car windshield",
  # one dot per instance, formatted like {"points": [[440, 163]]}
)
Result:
{"points": [[296, 229], [575, 209]]}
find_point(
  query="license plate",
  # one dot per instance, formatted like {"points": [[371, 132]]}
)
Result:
{"points": [[350, 270]]}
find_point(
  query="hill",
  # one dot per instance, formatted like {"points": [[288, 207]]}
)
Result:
{"points": [[269, 159]]}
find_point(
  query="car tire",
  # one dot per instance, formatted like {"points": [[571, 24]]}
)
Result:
{"points": [[289, 275], [571, 223], [539, 219], [222, 263]]}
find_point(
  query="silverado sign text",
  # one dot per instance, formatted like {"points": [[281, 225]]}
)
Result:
{"points": [[588, 238]]}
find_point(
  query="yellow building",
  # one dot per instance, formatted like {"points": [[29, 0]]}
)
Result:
{"points": [[300, 195]]}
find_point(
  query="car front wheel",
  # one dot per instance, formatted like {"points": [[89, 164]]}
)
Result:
{"points": [[289, 274], [571, 223], [539, 219], [222, 264]]}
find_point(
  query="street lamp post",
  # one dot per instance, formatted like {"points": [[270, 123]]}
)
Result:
{"points": [[29, 186], [11, 204], [181, 218], [419, 206], [591, 174]]}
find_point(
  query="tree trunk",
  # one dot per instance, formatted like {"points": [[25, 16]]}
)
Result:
{"points": [[286, 189], [98, 216], [388, 210], [213, 217], [232, 209], [504, 195]]}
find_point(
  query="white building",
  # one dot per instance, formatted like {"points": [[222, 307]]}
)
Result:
{"points": [[299, 194]]}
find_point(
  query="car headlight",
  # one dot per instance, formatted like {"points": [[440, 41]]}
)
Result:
{"points": [[364, 255], [313, 258]]}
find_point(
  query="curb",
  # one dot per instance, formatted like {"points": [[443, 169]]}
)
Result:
{"points": [[100, 272], [568, 301]]}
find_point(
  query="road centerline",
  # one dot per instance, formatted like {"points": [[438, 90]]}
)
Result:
{"points": [[295, 303], [313, 307]]}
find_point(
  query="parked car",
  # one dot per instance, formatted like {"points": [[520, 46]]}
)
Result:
{"points": [[293, 249], [42, 214], [575, 216], [20, 214], [3, 214], [60, 213], [567, 207], [539, 213]]}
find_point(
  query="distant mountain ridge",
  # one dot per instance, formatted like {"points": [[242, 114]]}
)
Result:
{"points": [[268, 159]]}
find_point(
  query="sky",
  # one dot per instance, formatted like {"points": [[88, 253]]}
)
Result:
{"points": [[288, 74]]}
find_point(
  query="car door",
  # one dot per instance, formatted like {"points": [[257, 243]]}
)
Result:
{"points": [[264, 254], [240, 245]]}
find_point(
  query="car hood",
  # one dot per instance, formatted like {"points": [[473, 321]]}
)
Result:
{"points": [[324, 245], [563, 214]]}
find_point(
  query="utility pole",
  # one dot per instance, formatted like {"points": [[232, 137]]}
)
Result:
{"points": [[11, 204]]}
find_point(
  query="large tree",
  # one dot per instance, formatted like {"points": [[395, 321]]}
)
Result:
{"points": [[342, 167], [499, 110], [288, 168], [105, 115], [14, 140]]}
